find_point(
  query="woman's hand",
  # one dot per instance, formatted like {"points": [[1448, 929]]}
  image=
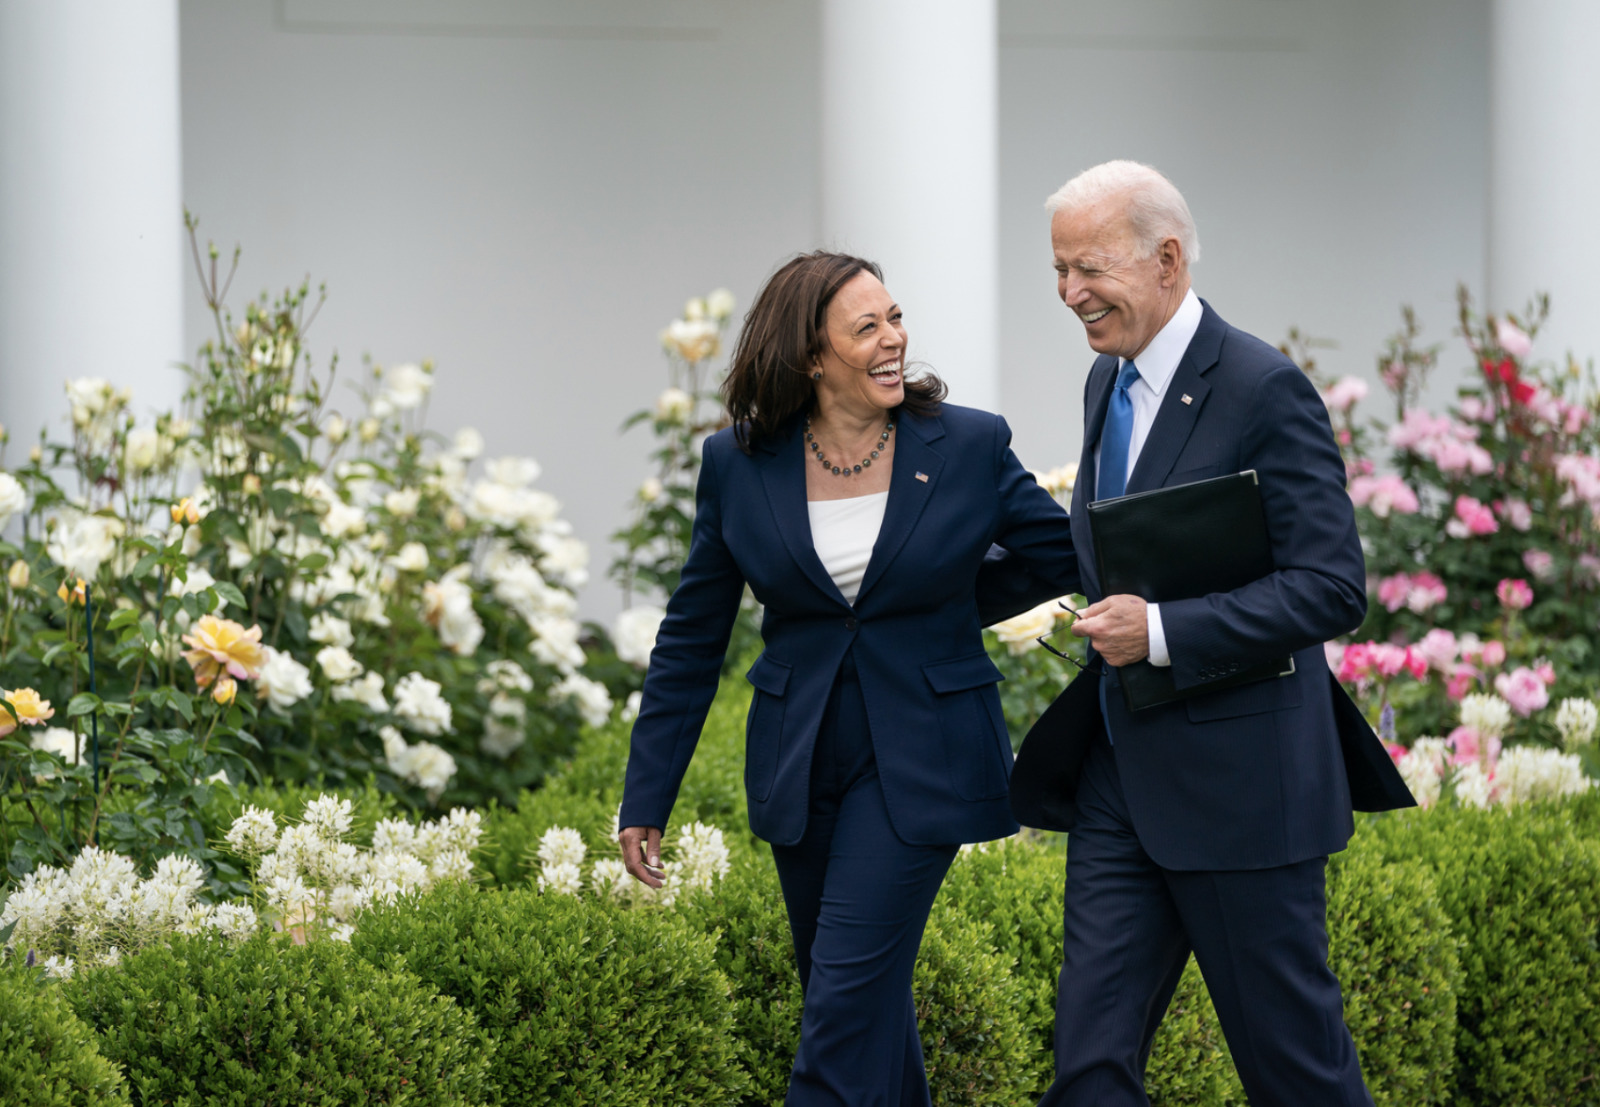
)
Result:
{"points": [[641, 853]]}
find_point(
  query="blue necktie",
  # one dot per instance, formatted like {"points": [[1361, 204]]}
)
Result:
{"points": [[1112, 480], [1117, 436]]}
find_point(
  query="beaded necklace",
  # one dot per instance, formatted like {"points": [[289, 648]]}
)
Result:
{"points": [[847, 470]]}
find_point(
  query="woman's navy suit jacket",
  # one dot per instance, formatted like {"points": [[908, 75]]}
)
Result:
{"points": [[943, 755]]}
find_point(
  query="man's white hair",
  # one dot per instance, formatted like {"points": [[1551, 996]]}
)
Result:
{"points": [[1155, 208]]}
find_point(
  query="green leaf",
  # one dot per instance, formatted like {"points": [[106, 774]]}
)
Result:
{"points": [[82, 704], [231, 593]]}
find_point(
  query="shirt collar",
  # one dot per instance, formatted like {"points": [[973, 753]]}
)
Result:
{"points": [[1160, 359]]}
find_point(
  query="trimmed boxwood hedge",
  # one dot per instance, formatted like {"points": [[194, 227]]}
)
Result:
{"points": [[207, 1022], [587, 1004], [48, 1057], [1521, 889]]}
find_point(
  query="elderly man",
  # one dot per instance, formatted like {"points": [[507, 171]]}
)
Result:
{"points": [[1203, 824]]}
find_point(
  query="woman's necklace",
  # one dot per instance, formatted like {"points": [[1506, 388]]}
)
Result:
{"points": [[846, 470]]}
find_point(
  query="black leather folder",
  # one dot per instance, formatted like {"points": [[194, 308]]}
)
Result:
{"points": [[1181, 543]]}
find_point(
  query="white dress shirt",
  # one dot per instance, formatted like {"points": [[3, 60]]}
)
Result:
{"points": [[1157, 364]]}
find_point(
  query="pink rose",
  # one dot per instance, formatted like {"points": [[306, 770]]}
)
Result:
{"points": [[1478, 409], [1345, 393], [1461, 683], [1539, 563], [1355, 663], [1545, 672], [1466, 746], [1416, 664], [1523, 690], [1493, 654], [1383, 495], [1471, 518], [1392, 591], [1516, 595], [1439, 649], [1574, 418], [1512, 338], [1358, 467], [1426, 591], [1395, 751], [1388, 659], [1517, 514]]}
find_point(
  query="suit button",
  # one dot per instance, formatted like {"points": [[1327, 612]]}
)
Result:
{"points": [[850, 623]]}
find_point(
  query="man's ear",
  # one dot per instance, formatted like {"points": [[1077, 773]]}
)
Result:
{"points": [[1169, 255]]}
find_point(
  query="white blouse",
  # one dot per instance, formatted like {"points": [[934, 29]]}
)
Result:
{"points": [[844, 532]]}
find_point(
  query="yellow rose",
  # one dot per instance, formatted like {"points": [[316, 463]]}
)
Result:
{"points": [[17, 576], [75, 595], [222, 645], [28, 708], [224, 691]]}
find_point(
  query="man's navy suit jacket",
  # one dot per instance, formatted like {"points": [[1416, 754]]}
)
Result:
{"points": [[942, 749], [1252, 776]]}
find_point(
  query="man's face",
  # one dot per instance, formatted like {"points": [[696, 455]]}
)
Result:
{"points": [[1121, 299]]}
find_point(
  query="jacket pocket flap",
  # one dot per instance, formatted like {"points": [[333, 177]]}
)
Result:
{"points": [[961, 673], [772, 677]]}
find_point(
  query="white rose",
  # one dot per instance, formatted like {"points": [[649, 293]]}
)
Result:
{"points": [[13, 498], [402, 502], [721, 304], [142, 449], [468, 443], [673, 406], [590, 697], [1020, 633], [650, 491], [634, 633], [338, 664], [283, 682], [406, 386], [513, 472], [81, 543], [412, 558], [420, 706], [366, 690], [331, 630]]}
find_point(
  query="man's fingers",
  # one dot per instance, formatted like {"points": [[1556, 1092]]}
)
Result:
{"points": [[652, 852]]}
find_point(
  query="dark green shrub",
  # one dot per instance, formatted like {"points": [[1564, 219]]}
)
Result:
{"points": [[588, 1003], [1190, 1065], [48, 1057], [1391, 945], [973, 1016], [1522, 891], [205, 1022]]}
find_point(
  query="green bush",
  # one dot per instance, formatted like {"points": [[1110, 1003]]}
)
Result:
{"points": [[48, 1057], [1522, 890], [1392, 947], [204, 1022], [589, 1004]]}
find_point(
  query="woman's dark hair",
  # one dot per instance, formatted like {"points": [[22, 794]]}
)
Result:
{"points": [[769, 377]]}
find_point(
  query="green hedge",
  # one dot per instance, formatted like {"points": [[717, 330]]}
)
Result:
{"points": [[205, 1022], [1521, 889], [588, 1004], [48, 1057]]}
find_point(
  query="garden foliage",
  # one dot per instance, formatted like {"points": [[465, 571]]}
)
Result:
{"points": [[48, 1057]]}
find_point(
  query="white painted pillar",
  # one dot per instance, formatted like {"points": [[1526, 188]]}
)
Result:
{"points": [[91, 212], [1544, 167], [910, 171]]}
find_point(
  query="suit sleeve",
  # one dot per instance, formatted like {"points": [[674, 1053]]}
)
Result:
{"points": [[1318, 590], [685, 665], [1032, 559]]}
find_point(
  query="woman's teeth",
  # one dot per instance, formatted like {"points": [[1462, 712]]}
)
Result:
{"points": [[882, 371]]}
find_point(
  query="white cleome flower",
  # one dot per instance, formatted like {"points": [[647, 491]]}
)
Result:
{"points": [[702, 854], [609, 877], [253, 833], [366, 690], [13, 498], [58, 968], [337, 664], [1526, 773], [1473, 788], [235, 920], [283, 682], [634, 633], [1423, 768], [328, 816], [419, 706], [564, 879], [561, 845], [590, 697], [1489, 715], [1576, 720], [406, 386], [331, 630]]}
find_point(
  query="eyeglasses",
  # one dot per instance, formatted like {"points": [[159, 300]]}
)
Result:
{"points": [[1098, 669]]}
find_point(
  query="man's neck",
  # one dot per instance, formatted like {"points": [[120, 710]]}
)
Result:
{"points": [[1174, 302]]}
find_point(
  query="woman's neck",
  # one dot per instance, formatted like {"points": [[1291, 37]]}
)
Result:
{"points": [[848, 422]]}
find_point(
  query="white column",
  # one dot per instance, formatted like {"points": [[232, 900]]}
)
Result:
{"points": [[90, 207], [1544, 172], [910, 170]]}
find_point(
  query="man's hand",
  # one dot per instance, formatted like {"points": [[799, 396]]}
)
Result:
{"points": [[1116, 627], [641, 853]]}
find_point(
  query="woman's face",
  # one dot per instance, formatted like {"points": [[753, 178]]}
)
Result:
{"points": [[862, 362]]}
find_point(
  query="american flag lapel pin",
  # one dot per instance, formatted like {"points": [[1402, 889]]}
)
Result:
{"points": [[1188, 399], [923, 477]]}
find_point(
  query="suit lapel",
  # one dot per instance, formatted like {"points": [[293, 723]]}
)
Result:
{"points": [[915, 476], [783, 473], [1180, 407], [1097, 399]]}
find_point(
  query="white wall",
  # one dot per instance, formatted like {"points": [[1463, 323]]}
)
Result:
{"points": [[526, 190], [1333, 153]]}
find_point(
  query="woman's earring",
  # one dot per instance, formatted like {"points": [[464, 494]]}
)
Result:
{"points": [[817, 376]]}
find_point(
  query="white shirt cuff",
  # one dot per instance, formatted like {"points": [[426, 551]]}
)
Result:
{"points": [[1158, 636]]}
